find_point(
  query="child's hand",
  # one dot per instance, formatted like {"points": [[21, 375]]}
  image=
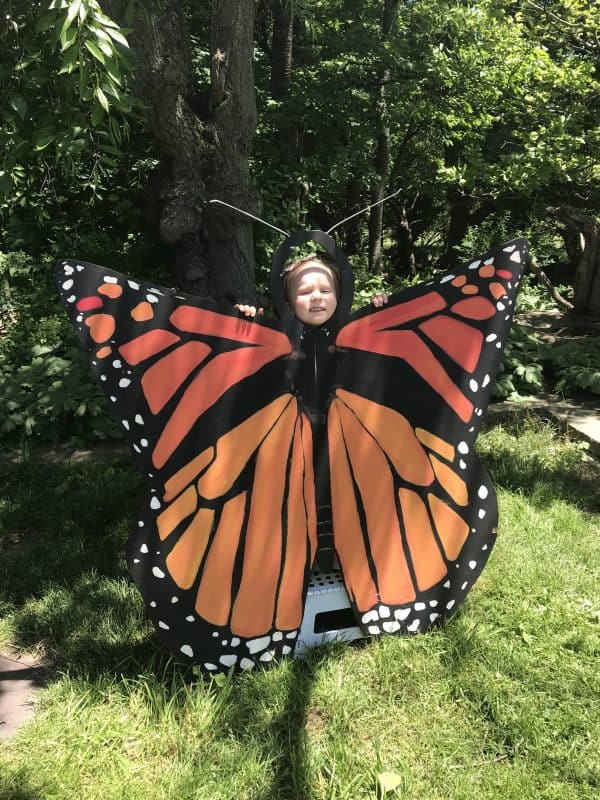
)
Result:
{"points": [[379, 300], [248, 311]]}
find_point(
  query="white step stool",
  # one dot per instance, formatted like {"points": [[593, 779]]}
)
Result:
{"points": [[327, 613]]}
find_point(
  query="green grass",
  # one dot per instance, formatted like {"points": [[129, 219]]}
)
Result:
{"points": [[501, 702]]}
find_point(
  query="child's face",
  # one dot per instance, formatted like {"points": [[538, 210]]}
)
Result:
{"points": [[313, 296]]}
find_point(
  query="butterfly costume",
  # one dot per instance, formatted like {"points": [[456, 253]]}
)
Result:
{"points": [[269, 446]]}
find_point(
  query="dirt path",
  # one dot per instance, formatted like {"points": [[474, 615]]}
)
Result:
{"points": [[20, 676]]}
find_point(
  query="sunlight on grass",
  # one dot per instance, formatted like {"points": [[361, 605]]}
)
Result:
{"points": [[501, 702]]}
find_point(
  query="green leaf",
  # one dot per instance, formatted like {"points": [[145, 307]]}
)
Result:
{"points": [[106, 22], [95, 51], [100, 34], [102, 99], [44, 22], [73, 10], [106, 48], [69, 61], [6, 183], [118, 37], [97, 115], [19, 104], [43, 138], [68, 40], [388, 782]]}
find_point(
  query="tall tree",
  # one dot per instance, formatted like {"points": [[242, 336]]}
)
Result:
{"points": [[67, 108], [205, 141], [382, 148], [586, 302]]}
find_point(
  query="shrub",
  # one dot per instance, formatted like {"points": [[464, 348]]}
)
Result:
{"points": [[47, 389], [576, 365], [522, 368]]}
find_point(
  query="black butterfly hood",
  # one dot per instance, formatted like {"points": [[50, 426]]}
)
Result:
{"points": [[346, 276]]}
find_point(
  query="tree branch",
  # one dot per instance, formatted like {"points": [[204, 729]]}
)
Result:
{"points": [[545, 280]]}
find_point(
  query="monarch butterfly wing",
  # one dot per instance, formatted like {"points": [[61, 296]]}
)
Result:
{"points": [[414, 511], [202, 398], [224, 561], [165, 361]]}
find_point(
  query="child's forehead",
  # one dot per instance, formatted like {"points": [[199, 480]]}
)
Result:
{"points": [[314, 271]]}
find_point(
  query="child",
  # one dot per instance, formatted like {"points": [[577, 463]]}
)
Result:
{"points": [[311, 287]]}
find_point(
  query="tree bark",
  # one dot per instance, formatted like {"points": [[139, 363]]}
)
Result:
{"points": [[382, 153], [405, 245], [586, 299], [460, 217], [281, 48], [205, 142], [287, 154], [545, 280]]}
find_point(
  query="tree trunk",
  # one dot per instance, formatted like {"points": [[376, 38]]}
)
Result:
{"points": [[205, 142], [587, 269], [382, 154], [287, 153], [350, 231], [406, 261], [281, 48], [460, 208]]}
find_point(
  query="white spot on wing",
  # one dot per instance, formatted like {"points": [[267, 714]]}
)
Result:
{"points": [[254, 645]]}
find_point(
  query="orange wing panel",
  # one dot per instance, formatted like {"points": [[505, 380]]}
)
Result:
{"points": [[348, 538], [428, 565], [213, 601], [376, 484], [254, 606], [289, 600]]}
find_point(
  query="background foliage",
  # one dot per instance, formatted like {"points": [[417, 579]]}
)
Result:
{"points": [[492, 112]]}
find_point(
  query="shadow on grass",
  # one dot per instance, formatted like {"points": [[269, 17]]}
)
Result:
{"points": [[516, 453], [65, 588], [21, 786]]}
